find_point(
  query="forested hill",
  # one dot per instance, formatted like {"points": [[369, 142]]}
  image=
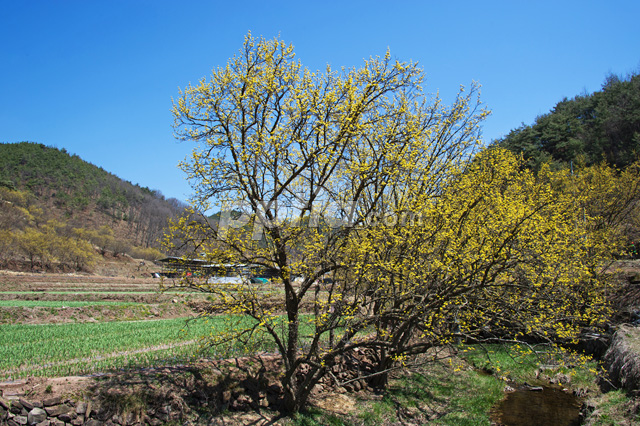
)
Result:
{"points": [[588, 129], [69, 189]]}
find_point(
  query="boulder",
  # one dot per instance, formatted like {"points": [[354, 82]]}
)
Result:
{"points": [[36, 415]]}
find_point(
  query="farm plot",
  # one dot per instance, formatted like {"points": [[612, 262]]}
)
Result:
{"points": [[61, 282], [56, 326], [97, 296], [84, 348], [41, 299]]}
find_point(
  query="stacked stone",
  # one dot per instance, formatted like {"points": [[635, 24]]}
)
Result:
{"points": [[350, 373], [48, 412]]}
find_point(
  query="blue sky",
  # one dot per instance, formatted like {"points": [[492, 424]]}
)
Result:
{"points": [[97, 77]]}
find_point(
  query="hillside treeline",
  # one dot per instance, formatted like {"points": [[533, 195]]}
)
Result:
{"points": [[60, 212], [596, 139], [585, 130], [74, 189]]}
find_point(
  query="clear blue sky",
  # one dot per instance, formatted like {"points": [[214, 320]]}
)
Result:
{"points": [[97, 77]]}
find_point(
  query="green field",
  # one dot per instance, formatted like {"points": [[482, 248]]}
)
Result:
{"points": [[81, 348], [58, 303]]}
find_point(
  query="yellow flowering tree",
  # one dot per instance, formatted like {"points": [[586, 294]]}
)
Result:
{"points": [[499, 254], [362, 193]]}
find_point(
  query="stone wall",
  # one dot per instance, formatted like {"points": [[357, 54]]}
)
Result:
{"points": [[58, 412], [238, 389]]}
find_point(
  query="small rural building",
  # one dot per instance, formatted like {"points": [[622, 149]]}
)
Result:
{"points": [[173, 267]]}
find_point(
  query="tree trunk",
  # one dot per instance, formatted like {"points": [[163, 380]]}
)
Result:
{"points": [[381, 380], [297, 394]]}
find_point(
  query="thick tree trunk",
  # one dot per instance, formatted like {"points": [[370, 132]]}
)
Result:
{"points": [[296, 395], [381, 379], [290, 401]]}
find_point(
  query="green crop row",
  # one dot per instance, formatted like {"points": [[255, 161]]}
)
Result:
{"points": [[57, 303], [83, 348]]}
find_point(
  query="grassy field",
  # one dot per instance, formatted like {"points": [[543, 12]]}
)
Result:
{"points": [[83, 348], [56, 325]]}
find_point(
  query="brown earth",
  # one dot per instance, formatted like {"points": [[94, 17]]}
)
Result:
{"points": [[143, 294], [42, 315]]}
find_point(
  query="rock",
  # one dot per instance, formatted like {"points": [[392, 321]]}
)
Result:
{"points": [[93, 422], [79, 421], [26, 404], [54, 400], [16, 407], [242, 403], [4, 403], [36, 415], [21, 420], [68, 416], [81, 407], [57, 410]]}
